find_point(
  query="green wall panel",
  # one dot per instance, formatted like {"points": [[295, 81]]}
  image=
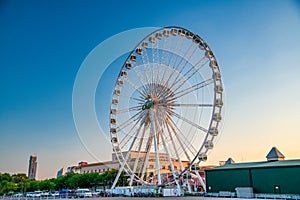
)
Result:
{"points": [[263, 180], [227, 180], [287, 180]]}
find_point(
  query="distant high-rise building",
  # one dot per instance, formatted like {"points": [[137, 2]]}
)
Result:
{"points": [[60, 173], [32, 166]]}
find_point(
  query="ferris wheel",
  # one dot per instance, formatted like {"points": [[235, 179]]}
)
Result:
{"points": [[166, 108]]}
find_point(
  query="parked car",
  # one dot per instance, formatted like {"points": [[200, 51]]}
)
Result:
{"points": [[83, 193], [18, 195], [45, 194], [54, 194], [29, 194], [37, 194], [67, 194], [96, 194]]}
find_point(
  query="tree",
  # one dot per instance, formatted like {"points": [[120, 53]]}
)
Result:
{"points": [[5, 176], [32, 185], [46, 185], [73, 181], [18, 178], [21, 183]]}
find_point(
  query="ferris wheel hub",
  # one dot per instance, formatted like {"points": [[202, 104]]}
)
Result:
{"points": [[149, 103]]}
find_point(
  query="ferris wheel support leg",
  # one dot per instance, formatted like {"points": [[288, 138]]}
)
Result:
{"points": [[125, 160], [118, 176], [201, 180], [144, 168], [177, 155], [137, 157], [189, 187], [155, 148], [171, 164]]}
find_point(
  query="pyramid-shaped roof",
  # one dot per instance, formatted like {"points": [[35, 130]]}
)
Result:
{"points": [[229, 161], [274, 155]]}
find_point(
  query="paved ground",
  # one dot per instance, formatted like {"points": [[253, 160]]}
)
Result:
{"points": [[164, 198], [169, 198], [136, 198]]}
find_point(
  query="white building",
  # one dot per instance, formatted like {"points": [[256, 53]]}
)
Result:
{"points": [[101, 167]]}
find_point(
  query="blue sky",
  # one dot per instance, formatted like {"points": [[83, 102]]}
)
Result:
{"points": [[43, 44]]}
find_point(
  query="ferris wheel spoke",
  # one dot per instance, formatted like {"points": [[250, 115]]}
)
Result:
{"points": [[184, 142], [188, 121], [155, 144], [138, 100], [145, 62], [153, 63], [152, 70], [155, 59], [127, 136], [176, 58], [141, 77], [130, 120], [179, 133], [169, 157], [134, 139], [193, 71], [172, 55], [162, 80], [174, 146], [166, 48], [135, 117], [192, 88], [158, 60], [126, 158], [187, 105], [185, 61], [146, 158], [147, 69], [174, 50], [128, 109], [135, 87], [158, 72], [171, 125], [201, 63], [196, 67], [136, 136]]}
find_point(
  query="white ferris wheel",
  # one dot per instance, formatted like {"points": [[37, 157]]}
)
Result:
{"points": [[166, 108]]}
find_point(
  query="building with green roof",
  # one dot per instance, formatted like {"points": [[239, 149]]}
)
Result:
{"points": [[275, 176]]}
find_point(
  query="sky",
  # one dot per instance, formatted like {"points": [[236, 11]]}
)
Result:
{"points": [[44, 43]]}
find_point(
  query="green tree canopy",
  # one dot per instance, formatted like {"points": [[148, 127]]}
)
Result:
{"points": [[21, 183]]}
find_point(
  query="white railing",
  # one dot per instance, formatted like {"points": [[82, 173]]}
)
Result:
{"points": [[256, 195]]}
